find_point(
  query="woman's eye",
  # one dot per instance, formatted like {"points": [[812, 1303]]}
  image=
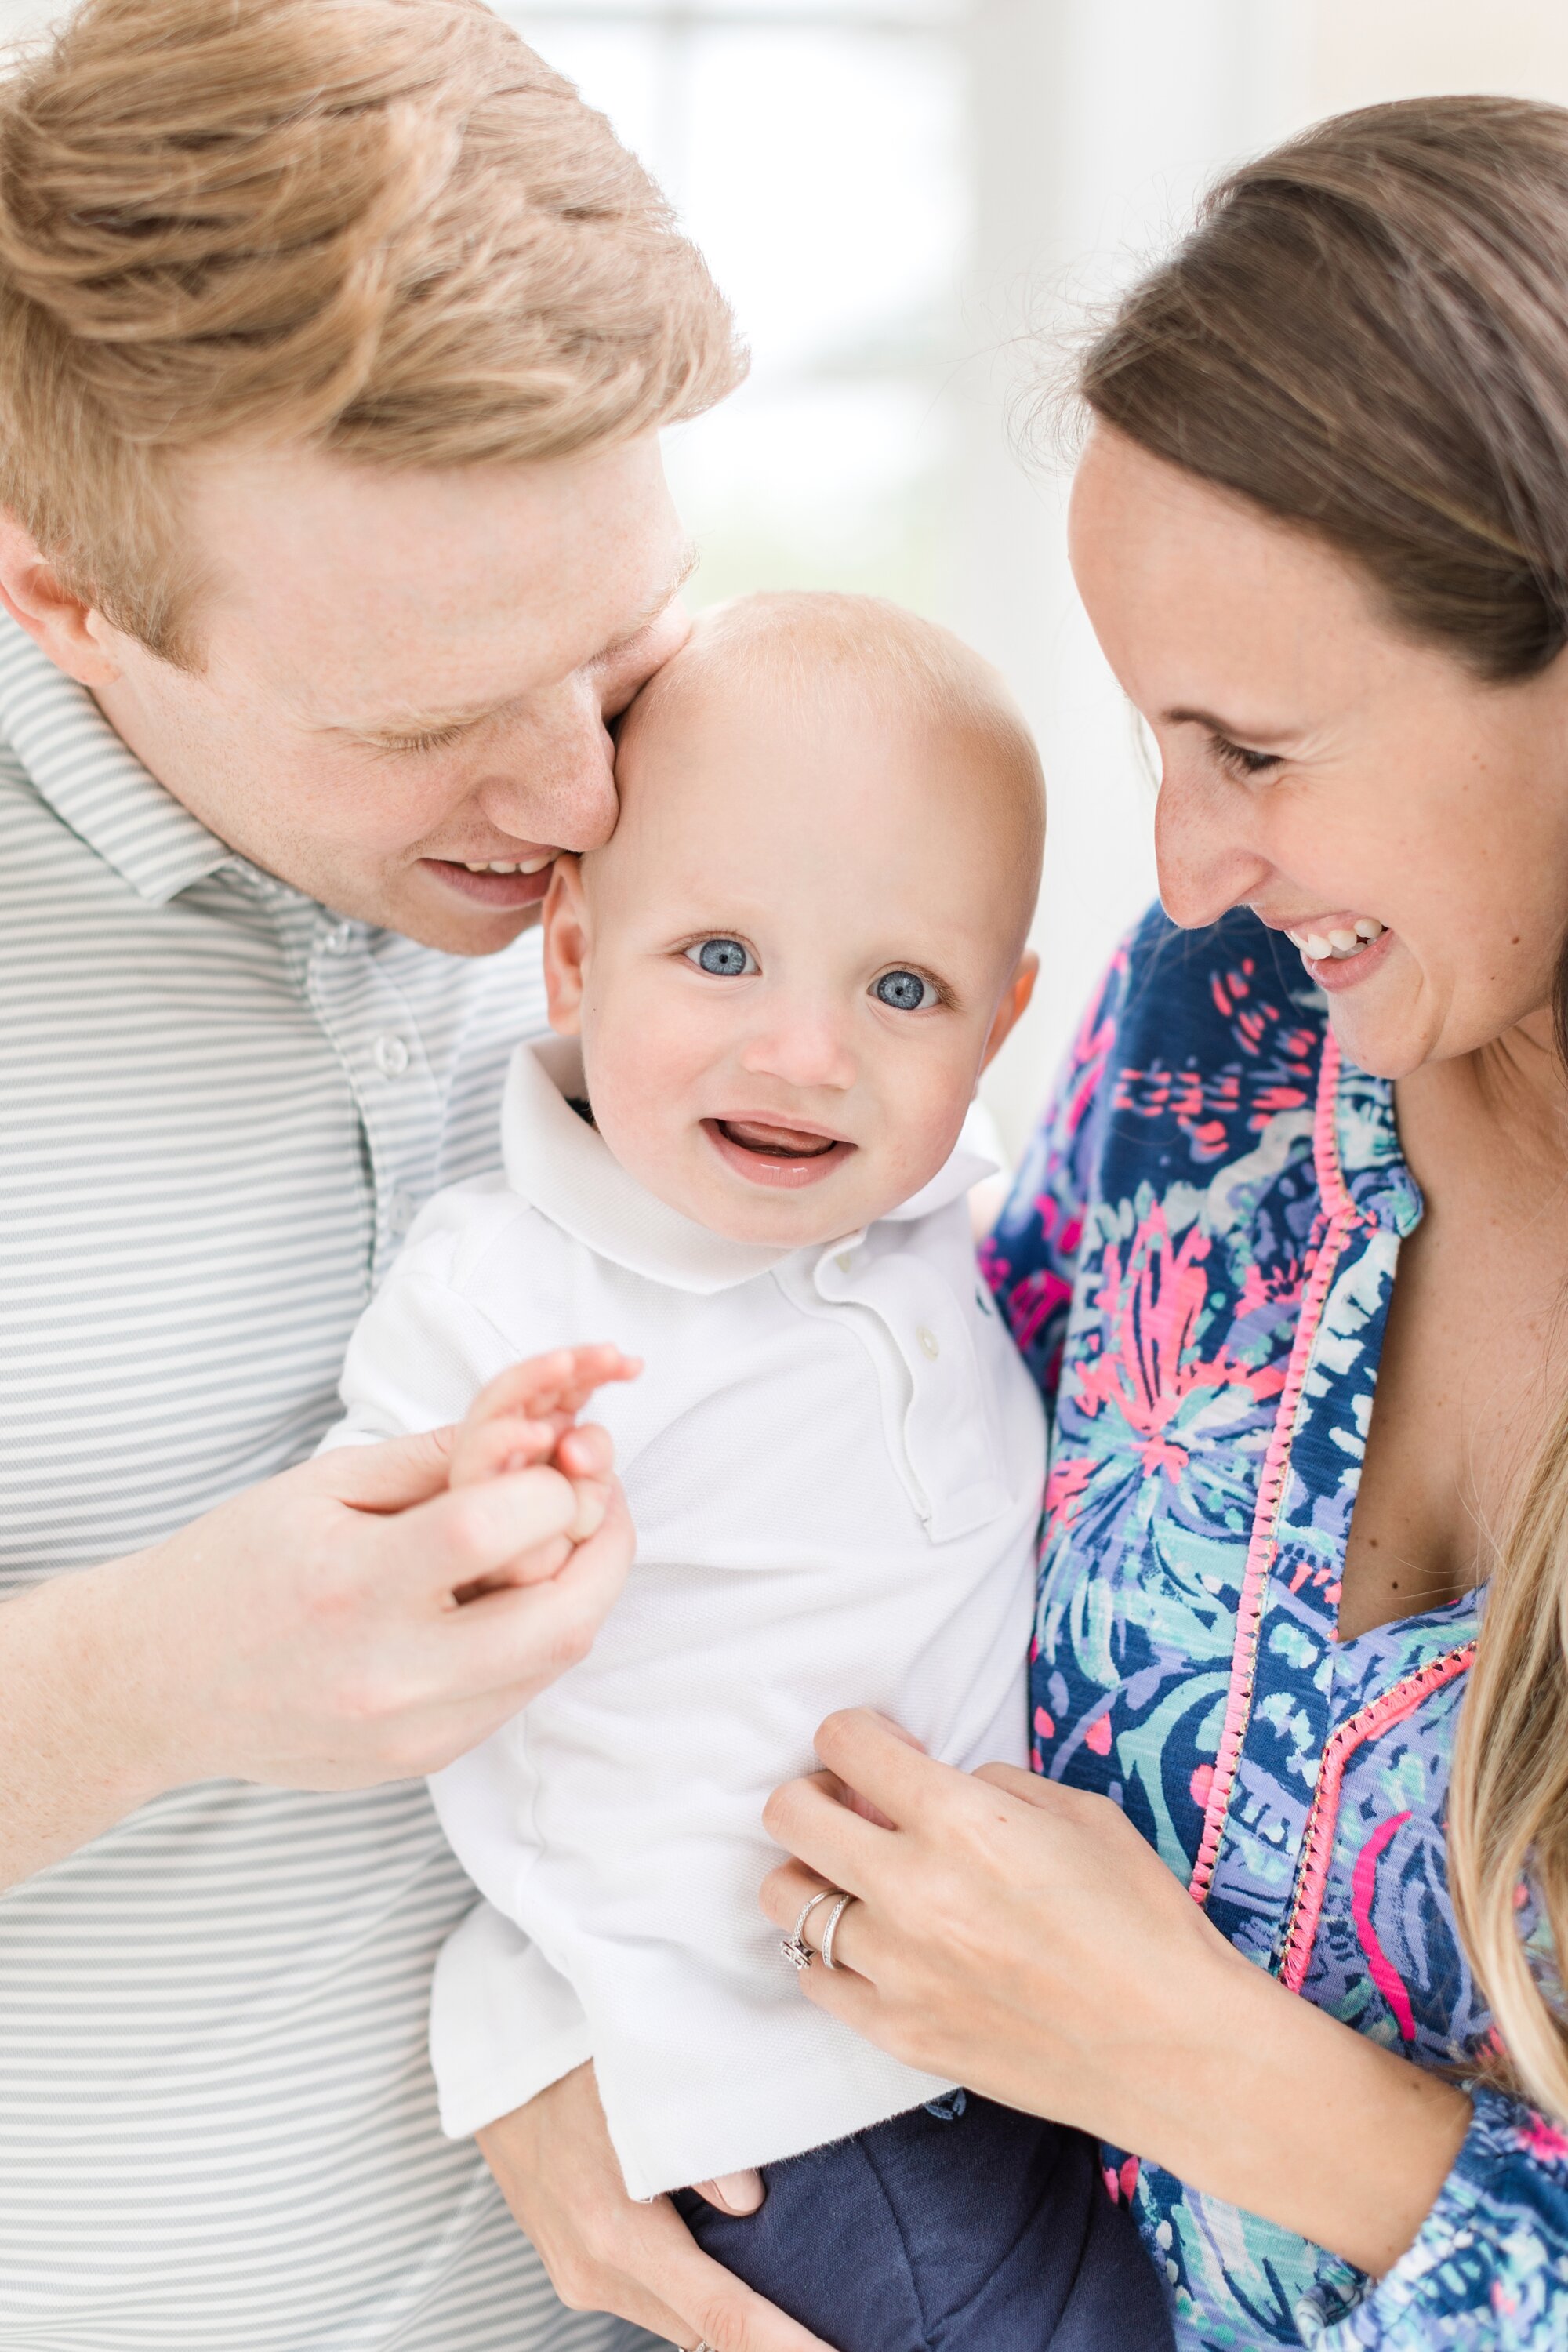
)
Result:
{"points": [[906, 992], [726, 959], [1240, 760]]}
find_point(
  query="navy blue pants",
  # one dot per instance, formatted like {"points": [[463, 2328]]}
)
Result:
{"points": [[960, 2228]]}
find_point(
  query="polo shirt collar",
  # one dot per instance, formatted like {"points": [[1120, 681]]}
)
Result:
{"points": [[554, 1159], [93, 781]]}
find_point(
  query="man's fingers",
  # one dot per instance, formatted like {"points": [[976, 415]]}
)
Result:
{"points": [[392, 1476], [734, 2192], [517, 1639], [463, 1536], [716, 2309], [489, 1449], [586, 1452]]}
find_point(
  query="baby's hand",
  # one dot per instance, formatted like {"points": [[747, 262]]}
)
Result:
{"points": [[527, 1419]]}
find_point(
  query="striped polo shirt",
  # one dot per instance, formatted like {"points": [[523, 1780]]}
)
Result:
{"points": [[220, 1108]]}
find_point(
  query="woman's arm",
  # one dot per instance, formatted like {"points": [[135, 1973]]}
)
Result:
{"points": [[1022, 1938]]}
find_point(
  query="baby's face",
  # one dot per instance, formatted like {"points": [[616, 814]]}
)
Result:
{"points": [[788, 966]]}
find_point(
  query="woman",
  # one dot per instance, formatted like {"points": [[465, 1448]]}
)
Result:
{"points": [[1288, 1257], [1321, 527]]}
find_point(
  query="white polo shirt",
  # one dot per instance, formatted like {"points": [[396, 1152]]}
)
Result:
{"points": [[833, 1459]]}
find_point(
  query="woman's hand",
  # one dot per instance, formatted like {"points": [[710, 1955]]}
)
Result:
{"points": [[1006, 1928], [1021, 1938], [605, 2252]]}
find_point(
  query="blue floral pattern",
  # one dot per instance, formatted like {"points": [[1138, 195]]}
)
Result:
{"points": [[1197, 1261]]}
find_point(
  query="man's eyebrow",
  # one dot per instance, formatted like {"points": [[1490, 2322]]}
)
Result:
{"points": [[690, 557], [447, 723], [1182, 717]]}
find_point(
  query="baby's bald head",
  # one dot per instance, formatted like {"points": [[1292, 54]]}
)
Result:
{"points": [[807, 936], [803, 659]]}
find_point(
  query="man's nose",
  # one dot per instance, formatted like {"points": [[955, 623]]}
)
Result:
{"points": [[802, 1047], [550, 773], [1205, 861]]}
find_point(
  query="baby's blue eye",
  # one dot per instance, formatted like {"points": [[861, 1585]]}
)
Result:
{"points": [[906, 992], [726, 959]]}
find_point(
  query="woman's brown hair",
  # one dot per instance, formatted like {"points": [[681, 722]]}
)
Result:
{"points": [[1368, 335]]}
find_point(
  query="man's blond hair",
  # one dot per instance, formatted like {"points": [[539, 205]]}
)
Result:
{"points": [[378, 227]]}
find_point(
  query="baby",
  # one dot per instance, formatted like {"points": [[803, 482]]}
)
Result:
{"points": [[743, 1157]]}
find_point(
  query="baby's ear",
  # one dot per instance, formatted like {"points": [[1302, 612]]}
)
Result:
{"points": [[565, 920], [1014, 1005]]}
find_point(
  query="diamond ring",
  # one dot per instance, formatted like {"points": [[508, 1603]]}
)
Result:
{"points": [[794, 1948]]}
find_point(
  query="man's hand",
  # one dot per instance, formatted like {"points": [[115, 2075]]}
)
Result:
{"points": [[310, 1633], [527, 1418], [605, 2252]]}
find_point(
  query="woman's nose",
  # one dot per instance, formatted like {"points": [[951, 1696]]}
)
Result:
{"points": [[803, 1049], [550, 773], [1205, 863]]}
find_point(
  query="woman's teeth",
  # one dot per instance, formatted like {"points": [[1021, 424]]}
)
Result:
{"points": [[500, 866], [1336, 946]]}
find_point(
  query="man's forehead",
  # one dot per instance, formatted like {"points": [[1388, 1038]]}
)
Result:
{"points": [[471, 680], [405, 597]]}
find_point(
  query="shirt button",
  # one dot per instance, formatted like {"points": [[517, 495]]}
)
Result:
{"points": [[399, 1213], [930, 1344], [844, 1261], [336, 942], [391, 1056]]}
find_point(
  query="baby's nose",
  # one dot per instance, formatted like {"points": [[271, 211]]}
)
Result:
{"points": [[805, 1052]]}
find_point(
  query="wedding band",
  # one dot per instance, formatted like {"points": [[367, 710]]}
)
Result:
{"points": [[831, 1930], [795, 1949]]}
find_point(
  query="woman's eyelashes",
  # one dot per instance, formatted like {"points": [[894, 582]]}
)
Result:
{"points": [[1239, 761]]}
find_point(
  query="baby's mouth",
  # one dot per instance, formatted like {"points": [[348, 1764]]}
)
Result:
{"points": [[775, 1142], [780, 1158]]}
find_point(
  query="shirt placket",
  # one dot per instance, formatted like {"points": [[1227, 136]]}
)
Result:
{"points": [[1283, 1697], [372, 1029]]}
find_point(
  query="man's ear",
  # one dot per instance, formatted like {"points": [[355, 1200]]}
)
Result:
{"points": [[1014, 1005], [565, 920], [70, 632]]}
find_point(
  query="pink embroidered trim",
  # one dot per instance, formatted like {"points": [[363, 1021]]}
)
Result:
{"points": [[1396, 1705], [1264, 1547]]}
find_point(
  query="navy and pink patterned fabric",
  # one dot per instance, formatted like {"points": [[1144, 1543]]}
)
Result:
{"points": [[1197, 1261]]}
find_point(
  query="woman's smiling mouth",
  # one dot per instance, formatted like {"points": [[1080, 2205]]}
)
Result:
{"points": [[782, 1158]]}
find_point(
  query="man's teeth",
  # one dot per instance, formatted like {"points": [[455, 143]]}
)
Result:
{"points": [[1336, 946], [500, 866]]}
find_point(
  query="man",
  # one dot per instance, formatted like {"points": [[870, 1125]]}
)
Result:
{"points": [[334, 335]]}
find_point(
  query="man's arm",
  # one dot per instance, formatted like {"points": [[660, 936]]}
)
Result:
{"points": [[603, 2251], [307, 1634]]}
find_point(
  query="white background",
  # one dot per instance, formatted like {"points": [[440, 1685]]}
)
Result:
{"points": [[911, 204]]}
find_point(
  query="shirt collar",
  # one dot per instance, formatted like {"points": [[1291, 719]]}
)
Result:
{"points": [[92, 781], [563, 1167]]}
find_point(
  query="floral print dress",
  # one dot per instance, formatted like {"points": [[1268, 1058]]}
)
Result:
{"points": [[1197, 1261]]}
